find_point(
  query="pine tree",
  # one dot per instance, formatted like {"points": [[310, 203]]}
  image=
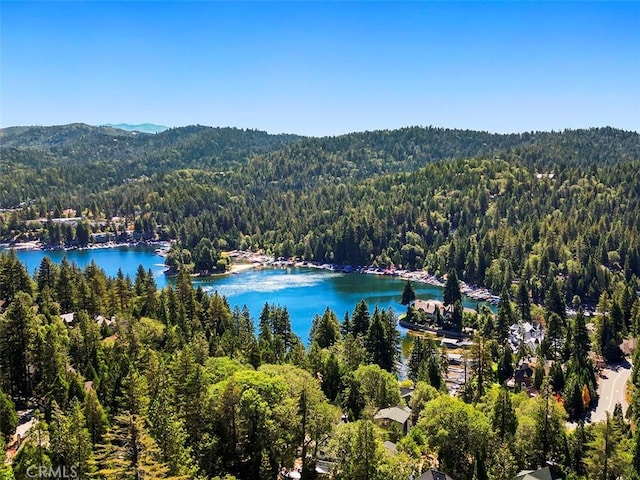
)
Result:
{"points": [[482, 371], [408, 293], [503, 419], [578, 447], [331, 377], [606, 456], [326, 329], [505, 317], [360, 319], [524, 303], [129, 452], [377, 344], [95, 417], [70, 442], [416, 358], [505, 363], [14, 277], [18, 329], [554, 334], [8, 416], [451, 292], [554, 302], [345, 326]]}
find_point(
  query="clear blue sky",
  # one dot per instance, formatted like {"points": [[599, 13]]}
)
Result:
{"points": [[322, 68]]}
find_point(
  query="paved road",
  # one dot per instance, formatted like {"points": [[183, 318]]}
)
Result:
{"points": [[611, 389]]}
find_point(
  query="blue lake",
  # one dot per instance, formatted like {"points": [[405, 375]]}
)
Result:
{"points": [[304, 291]]}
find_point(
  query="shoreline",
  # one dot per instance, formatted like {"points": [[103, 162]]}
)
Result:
{"points": [[418, 276], [234, 269], [248, 260], [36, 246]]}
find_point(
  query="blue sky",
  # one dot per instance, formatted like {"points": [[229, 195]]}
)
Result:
{"points": [[322, 68]]}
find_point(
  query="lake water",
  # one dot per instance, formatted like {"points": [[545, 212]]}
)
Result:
{"points": [[304, 291]]}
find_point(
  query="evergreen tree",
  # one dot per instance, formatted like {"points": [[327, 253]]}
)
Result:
{"points": [[14, 277], [539, 373], [505, 317], [524, 303], [555, 302], [503, 418], [502, 464], [129, 452], [67, 287], [70, 442], [377, 345], [326, 329], [457, 317], [482, 371], [47, 274], [578, 447], [345, 326], [408, 293], [554, 334], [95, 417], [505, 363], [605, 458], [360, 319], [451, 292], [18, 329], [8, 416], [416, 358], [331, 377]]}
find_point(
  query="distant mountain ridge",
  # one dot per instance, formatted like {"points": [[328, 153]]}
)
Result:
{"points": [[142, 127]]}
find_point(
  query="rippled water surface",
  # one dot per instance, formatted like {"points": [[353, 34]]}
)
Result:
{"points": [[304, 291]]}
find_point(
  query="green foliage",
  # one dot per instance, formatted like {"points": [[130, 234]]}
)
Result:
{"points": [[359, 452], [451, 293], [325, 330], [457, 432], [373, 387], [367, 198], [540, 435], [607, 451], [18, 327], [182, 388], [8, 416], [503, 418], [408, 293], [69, 441], [425, 364]]}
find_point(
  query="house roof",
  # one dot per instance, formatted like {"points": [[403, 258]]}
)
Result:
{"points": [[433, 474], [406, 392], [324, 467], [390, 447], [523, 371], [431, 306], [67, 317], [394, 413], [542, 474]]}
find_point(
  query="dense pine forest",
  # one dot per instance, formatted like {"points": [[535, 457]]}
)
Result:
{"points": [[531, 206], [124, 381]]}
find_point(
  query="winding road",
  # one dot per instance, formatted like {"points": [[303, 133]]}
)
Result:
{"points": [[611, 390], [612, 385]]}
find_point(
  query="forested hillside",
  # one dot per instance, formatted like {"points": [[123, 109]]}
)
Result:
{"points": [[70, 163], [175, 384], [530, 206]]}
